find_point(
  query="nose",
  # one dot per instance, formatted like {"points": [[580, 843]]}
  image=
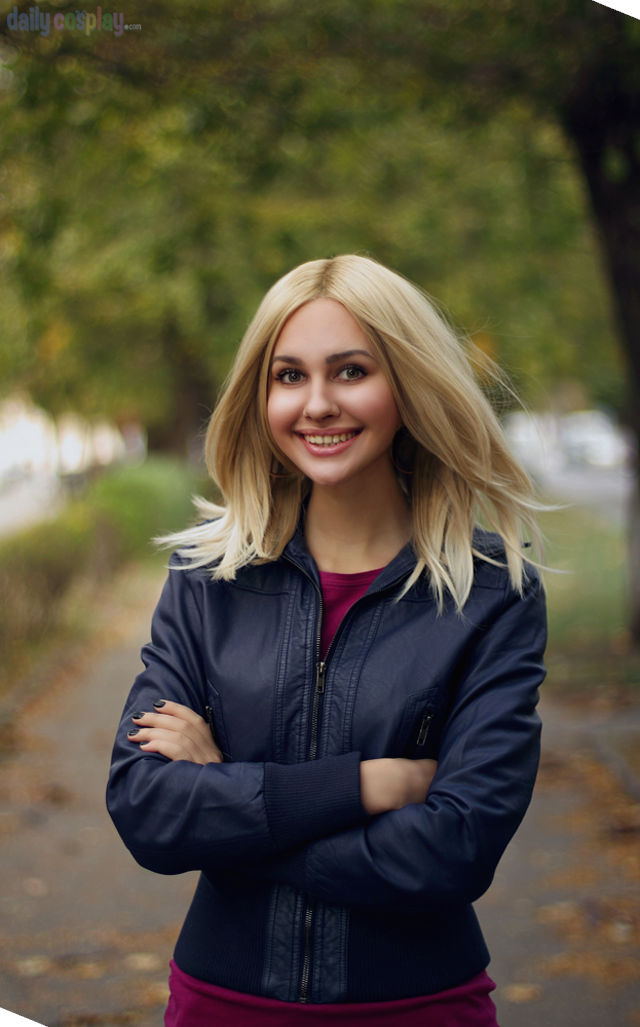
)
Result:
{"points": [[320, 404]]}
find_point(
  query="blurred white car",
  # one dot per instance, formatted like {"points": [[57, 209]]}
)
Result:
{"points": [[545, 443], [592, 437], [533, 440]]}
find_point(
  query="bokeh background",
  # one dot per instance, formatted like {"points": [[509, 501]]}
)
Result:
{"points": [[161, 164], [161, 167]]}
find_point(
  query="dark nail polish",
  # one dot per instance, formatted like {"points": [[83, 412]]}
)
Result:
{"points": [[133, 731], [137, 715], [160, 703]]}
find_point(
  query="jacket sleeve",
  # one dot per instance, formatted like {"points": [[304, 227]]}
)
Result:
{"points": [[176, 815], [446, 849]]}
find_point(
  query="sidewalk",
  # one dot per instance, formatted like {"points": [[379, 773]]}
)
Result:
{"points": [[86, 935], [562, 919]]}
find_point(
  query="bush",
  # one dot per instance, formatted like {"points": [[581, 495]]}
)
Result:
{"points": [[132, 505], [36, 570], [114, 521]]}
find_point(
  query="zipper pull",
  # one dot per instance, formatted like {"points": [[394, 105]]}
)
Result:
{"points": [[208, 716], [423, 730], [321, 673]]}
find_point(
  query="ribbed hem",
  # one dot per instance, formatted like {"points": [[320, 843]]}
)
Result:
{"points": [[309, 800]]}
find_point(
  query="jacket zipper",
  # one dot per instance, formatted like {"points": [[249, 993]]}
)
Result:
{"points": [[306, 963], [318, 692]]}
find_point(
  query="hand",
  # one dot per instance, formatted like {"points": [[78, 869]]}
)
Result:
{"points": [[387, 784], [176, 732]]}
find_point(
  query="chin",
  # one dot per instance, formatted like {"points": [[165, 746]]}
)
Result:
{"points": [[327, 480]]}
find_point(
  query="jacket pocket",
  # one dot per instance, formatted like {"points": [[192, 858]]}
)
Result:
{"points": [[215, 716], [419, 734]]}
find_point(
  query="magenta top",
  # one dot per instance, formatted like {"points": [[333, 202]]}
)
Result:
{"points": [[339, 592], [195, 1003]]}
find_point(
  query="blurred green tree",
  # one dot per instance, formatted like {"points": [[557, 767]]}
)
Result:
{"points": [[158, 181]]}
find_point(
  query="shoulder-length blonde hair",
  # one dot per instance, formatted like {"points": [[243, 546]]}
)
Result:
{"points": [[459, 461]]}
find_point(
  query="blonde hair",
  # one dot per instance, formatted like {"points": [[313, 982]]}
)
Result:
{"points": [[460, 462]]}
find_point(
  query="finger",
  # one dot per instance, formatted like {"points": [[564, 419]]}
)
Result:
{"points": [[191, 726], [164, 707], [198, 729], [174, 751], [167, 722], [176, 746]]}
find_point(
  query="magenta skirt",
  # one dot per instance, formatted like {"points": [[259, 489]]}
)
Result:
{"points": [[195, 1003]]}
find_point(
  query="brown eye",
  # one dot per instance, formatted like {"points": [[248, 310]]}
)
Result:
{"points": [[290, 376], [351, 373]]}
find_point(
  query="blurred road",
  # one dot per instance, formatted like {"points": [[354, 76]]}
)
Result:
{"points": [[562, 918], [85, 935]]}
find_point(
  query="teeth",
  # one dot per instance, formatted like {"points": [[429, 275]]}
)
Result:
{"points": [[329, 440]]}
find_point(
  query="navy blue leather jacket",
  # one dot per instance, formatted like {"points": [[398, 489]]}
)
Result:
{"points": [[302, 895]]}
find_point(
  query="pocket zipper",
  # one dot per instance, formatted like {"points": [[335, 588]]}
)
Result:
{"points": [[423, 730], [209, 717]]}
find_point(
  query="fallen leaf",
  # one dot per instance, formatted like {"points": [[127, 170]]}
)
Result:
{"points": [[521, 993]]}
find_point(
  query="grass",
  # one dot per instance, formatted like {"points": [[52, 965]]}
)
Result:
{"points": [[590, 651]]}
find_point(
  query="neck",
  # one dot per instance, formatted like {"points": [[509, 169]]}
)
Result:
{"points": [[350, 530]]}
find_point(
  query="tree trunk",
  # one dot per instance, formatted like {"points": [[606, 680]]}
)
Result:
{"points": [[193, 397], [634, 562], [601, 119]]}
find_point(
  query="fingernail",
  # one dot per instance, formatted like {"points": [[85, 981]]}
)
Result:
{"points": [[133, 731], [137, 715], [160, 703]]}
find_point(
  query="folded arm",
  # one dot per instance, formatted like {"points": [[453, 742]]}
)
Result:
{"points": [[310, 825], [445, 850], [175, 805]]}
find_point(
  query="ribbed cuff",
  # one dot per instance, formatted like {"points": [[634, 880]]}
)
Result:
{"points": [[309, 800]]}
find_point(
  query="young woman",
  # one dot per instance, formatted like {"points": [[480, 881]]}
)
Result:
{"points": [[325, 637]]}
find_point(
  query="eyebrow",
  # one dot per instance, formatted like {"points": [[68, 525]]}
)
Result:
{"points": [[331, 359]]}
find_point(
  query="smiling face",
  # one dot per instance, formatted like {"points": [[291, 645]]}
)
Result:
{"points": [[330, 408]]}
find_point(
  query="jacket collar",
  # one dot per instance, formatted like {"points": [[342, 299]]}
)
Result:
{"points": [[488, 543], [399, 567]]}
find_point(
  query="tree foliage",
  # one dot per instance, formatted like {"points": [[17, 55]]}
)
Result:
{"points": [[155, 184]]}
